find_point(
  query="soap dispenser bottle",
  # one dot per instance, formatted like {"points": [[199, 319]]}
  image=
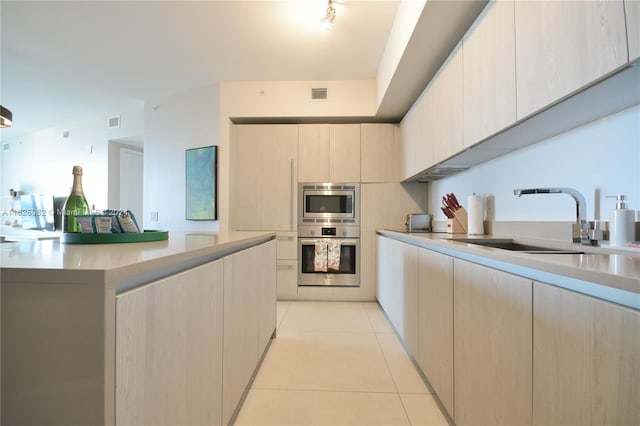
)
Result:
{"points": [[622, 226]]}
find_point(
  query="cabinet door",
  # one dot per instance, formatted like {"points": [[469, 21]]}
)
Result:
{"points": [[247, 177], [408, 311], [344, 153], [489, 68], [169, 350], [409, 136], [313, 153], [445, 94], [397, 288], [562, 46], [240, 327], [492, 346], [632, 14], [586, 360], [378, 153], [265, 189], [266, 291], [387, 289], [435, 322], [425, 132]]}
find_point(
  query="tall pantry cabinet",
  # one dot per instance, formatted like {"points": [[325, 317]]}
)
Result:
{"points": [[264, 175], [264, 191]]}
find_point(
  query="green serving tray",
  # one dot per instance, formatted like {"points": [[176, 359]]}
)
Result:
{"points": [[79, 238]]}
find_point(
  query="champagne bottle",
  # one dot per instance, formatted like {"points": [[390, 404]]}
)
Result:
{"points": [[76, 204]]}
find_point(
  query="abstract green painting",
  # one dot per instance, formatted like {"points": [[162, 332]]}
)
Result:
{"points": [[201, 183]]}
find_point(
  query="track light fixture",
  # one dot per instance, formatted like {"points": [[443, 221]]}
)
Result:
{"points": [[6, 118], [330, 15]]}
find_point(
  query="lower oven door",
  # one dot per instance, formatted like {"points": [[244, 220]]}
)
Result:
{"points": [[348, 272]]}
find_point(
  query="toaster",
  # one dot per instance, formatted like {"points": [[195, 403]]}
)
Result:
{"points": [[418, 222]]}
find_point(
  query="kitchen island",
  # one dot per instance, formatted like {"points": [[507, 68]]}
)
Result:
{"points": [[137, 333]]}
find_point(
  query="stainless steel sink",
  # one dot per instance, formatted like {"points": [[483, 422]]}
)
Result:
{"points": [[522, 248]]}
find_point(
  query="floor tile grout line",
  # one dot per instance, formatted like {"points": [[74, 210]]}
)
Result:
{"points": [[327, 390], [404, 407], [386, 362]]}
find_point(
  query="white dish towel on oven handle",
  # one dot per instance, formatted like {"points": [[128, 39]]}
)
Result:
{"points": [[327, 254], [333, 254]]}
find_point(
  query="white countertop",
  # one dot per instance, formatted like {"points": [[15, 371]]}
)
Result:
{"points": [[126, 264], [618, 271]]}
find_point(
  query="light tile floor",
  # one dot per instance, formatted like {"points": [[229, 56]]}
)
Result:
{"points": [[337, 363]]}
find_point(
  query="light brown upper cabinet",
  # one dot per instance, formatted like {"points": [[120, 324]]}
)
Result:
{"points": [[489, 70], [445, 121], [632, 13], [561, 46], [329, 153], [313, 153], [378, 153], [432, 130], [412, 134]]}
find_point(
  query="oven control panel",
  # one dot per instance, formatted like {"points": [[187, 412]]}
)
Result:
{"points": [[329, 232], [315, 231]]}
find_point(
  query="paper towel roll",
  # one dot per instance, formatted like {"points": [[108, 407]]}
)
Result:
{"points": [[475, 210]]}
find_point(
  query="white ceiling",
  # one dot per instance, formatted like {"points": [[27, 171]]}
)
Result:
{"points": [[62, 61]]}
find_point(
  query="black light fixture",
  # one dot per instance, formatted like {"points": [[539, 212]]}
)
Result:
{"points": [[6, 118], [330, 15]]}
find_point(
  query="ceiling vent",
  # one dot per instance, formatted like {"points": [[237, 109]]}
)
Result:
{"points": [[113, 122], [319, 94]]}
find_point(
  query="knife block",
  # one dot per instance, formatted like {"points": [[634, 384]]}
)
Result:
{"points": [[458, 225]]}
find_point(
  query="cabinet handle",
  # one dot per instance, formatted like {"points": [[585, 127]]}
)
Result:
{"points": [[284, 267], [284, 237]]}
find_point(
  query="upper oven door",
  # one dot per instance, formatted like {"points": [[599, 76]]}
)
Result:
{"points": [[328, 203]]}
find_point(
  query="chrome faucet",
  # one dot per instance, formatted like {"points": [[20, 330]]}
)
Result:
{"points": [[581, 229]]}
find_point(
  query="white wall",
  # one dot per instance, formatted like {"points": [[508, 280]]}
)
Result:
{"points": [[598, 159], [174, 124], [41, 162]]}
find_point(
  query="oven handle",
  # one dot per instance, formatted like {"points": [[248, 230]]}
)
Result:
{"points": [[313, 242]]}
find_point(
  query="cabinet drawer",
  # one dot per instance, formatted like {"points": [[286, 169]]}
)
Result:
{"points": [[287, 279], [286, 245]]}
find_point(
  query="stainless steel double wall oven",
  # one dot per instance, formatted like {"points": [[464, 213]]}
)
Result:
{"points": [[329, 234]]}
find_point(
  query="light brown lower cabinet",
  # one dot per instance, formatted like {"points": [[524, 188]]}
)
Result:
{"points": [[249, 319], [492, 346], [169, 350], [500, 349], [187, 345], [435, 322], [586, 360], [397, 288], [287, 265]]}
